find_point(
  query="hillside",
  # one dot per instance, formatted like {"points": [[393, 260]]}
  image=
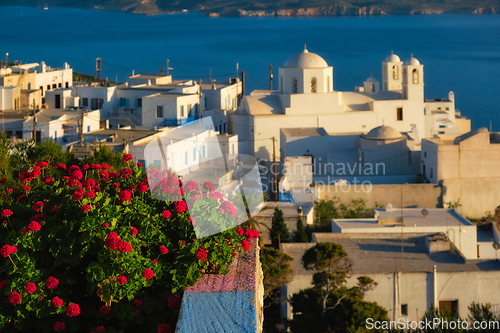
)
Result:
{"points": [[278, 8]]}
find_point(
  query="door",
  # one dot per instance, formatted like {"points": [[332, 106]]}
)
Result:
{"points": [[58, 101]]}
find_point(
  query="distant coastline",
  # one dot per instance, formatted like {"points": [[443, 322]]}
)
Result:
{"points": [[304, 8]]}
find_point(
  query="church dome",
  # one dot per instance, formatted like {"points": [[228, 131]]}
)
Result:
{"points": [[371, 79], [305, 59], [392, 58], [383, 133], [412, 61]]}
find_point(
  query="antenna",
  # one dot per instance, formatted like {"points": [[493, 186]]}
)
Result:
{"points": [[168, 67]]}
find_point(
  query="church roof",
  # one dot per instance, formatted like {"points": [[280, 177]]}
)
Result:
{"points": [[412, 61], [392, 58], [383, 133], [305, 59], [371, 79]]}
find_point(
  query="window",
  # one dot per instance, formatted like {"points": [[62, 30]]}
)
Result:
{"points": [[85, 101], [182, 110], [138, 102], [447, 109], [67, 84], [404, 309], [196, 109], [88, 128], [55, 135], [159, 111], [400, 114], [449, 307], [373, 87], [54, 86], [189, 109], [186, 157], [58, 101], [59, 85], [122, 102], [48, 87], [425, 154], [203, 151], [395, 72], [441, 132], [194, 154], [313, 85], [442, 126], [225, 127], [415, 76], [96, 103], [41, 89], [295, 85]]}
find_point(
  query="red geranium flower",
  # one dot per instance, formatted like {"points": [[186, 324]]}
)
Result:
{"points": [[202, 254], [52, 283], [148, 273], [34, 226], [7, 213], [166, 214], [26, 188], [122, 279], [140, 165], [174, 301], [100, 329], [240, 231], [14, 298], [227, 208], [3, 283], [127, 157], [43, 164], [59, 326], [142, 188], [77, 196], [125, 195], [73, 310], [30, 288], [49, 180], [77, 175], [137, 302], [164, 328], [126, 173], [134, 231], [245, 245], [56, 301], [163, 249], [208, 185], [61, 167], [86, 208], [191, 186], [38, 206], [124, 246], [90, 194], [112, 241], [89, 183], [105, 310], [181, 206], [7, 250], [55, 209]]}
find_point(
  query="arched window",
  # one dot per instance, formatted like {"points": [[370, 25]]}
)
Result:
{"points": [[395, 72], [295, 85], [415, 76], [313, 85], [327, 84]]}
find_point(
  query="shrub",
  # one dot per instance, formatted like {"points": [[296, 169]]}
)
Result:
{"points": [[88, 248]]}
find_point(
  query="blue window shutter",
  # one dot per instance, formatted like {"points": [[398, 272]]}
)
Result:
{"points": [[203, 151], [55, 135], [186, 157], [194, 154], [126, 102], [88, 128]]}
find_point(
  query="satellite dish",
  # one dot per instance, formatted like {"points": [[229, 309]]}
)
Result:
{"points": [[496, 245], [425, 212]]}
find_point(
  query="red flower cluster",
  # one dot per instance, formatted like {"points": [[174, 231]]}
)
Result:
{"points": [[38, 206], [7, 250], [208, 185], [33, 226], [30, 288], [7, 213], [227, 208], [14, 298], [140, 165], [125, 195], [43, 164], [148, 274], [89, 183], [90, 194], [77, 196], [105, 310], [202, 254], [134, 231], [115, 243], [73, 310], [240, 231], [50, 180], [251, 233], [163, 249], [59, 326], [245, 245], [3, 283], [191, 220], [125, 173], [122, 279], [164, 328], [174, 301], [55, 209], [52, 283], [181, 206], [142, 188], [191, 186], [38, 217], [166, 214], [61, 167], [137, 302], [216, 195], [56, 301], [100, 329], [86, 208], [26, 188], [127, 157]]}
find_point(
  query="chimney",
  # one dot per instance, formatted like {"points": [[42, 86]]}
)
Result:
{"points": [[299, 210], [42, 64]]}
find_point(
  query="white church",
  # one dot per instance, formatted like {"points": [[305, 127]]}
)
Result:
{"points": [[306, 98]]}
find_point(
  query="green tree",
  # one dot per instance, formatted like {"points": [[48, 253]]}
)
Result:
{"points": [[279, 230], [277, 273], [300, 235], [325, 210]]}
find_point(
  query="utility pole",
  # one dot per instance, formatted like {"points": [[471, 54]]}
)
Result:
{"points": [[271, 77], [34, 121], [276, 197], [81, 129], [402, 226], [162, 71], [98, 68], [242, 84], [199, 103]]}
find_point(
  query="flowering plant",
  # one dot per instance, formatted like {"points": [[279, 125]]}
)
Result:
{"points": [[90, 249]]}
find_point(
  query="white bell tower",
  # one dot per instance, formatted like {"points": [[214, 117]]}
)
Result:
{"points": [[413, 80], [392, 73]]}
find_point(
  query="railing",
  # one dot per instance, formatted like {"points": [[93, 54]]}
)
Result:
{"points": [[178, 122], [286, 197]]}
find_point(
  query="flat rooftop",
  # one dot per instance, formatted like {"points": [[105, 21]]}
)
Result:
{"points": [[304, 132], [290, 209], [383, 256], [412, 217]]}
